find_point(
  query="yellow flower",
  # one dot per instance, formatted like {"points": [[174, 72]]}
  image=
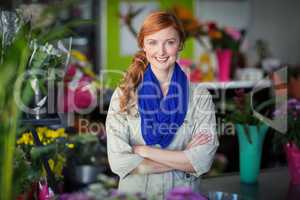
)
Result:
{"points": [[41, 135], [50, 134], [56, 133], [26, 139], [79, 56], [61, 132], [56, 165], [71, 146], [41, 130], [51, 163]]}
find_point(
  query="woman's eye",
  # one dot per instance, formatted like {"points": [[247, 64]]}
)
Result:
{"points": [[171, 42], [152, 43]]}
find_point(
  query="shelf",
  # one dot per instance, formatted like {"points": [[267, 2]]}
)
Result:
{"points": [[236, 84]]}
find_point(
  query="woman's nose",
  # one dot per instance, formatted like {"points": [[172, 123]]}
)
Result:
{"points": [[161, 50]]}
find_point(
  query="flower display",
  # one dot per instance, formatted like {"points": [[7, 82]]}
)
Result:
{"points": [[191, 25], [241, 109], [224, 38], [54, 144], [190, 69], [182, 193], [81, 84], [291, 112], [46, 136]]}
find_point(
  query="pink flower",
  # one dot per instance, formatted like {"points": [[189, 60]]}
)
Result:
{"points": [[183, 193], [185, 62], [234, 33]]}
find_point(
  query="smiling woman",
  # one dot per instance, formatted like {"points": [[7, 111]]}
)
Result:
{"points": [[160, 128], [161, 50]]}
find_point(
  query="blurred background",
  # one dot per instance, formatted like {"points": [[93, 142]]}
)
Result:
{"points": [[245, 52]]}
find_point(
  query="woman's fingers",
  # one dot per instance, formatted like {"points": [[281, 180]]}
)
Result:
{"points": [[194, 140], [199, 139]]}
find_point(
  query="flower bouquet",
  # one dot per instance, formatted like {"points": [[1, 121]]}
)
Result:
{"points": [[290, 109], [55, 148], [291, 139], [250, 132]]}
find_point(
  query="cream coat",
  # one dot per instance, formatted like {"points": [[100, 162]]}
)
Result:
{"points": [[124, 131]]}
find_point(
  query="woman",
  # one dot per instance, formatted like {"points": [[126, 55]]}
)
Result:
{"points": [[160, 127]]}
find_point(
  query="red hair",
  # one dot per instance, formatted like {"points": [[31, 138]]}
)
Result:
{"points": [[153, 23]]}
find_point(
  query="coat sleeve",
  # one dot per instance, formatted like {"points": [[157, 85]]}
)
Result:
{"points": [[120, 156], [202, 156]]}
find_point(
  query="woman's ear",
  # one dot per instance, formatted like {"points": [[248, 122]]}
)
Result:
{"points": [[180, 46]]}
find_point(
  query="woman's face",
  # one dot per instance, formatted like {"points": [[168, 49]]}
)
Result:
{"points": [[162, 47]]}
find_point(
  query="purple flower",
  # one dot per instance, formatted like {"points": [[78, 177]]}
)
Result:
{"points": [[184, 193], [282, 110], [115, 194], [293, 102], [75, 196]]}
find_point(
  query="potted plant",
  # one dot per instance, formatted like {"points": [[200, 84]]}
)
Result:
{"points": [[250, 132], [291, 138]]}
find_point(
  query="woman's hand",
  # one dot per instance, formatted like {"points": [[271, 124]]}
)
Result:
{"points": [[199, 139], [140, 150]]}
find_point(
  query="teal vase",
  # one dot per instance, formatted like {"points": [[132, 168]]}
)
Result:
{"points": [[250, 153]]}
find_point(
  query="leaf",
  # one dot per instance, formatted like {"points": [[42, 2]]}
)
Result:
{"points": [[62, 31], [247, 133]]}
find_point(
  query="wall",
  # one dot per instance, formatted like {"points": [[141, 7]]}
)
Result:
{"points": [[277, 21]]}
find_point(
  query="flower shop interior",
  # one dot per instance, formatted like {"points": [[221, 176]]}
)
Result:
{"points": [[61, 61]]}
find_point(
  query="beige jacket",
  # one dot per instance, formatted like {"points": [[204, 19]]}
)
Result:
{"points": [[124, 131]]}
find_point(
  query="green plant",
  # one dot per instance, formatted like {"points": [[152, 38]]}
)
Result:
{"points": [[13, 63], [240, 110], [55, 147], [16, 53], [88, 150], [24, 175]]}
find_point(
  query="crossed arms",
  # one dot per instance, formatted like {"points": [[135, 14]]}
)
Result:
{"points": [[158, 160]]}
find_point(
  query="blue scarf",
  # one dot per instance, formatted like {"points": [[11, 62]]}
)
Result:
{"points": [[162, 116]]}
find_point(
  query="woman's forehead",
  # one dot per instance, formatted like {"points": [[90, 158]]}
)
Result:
{"points": [[164, 34]]}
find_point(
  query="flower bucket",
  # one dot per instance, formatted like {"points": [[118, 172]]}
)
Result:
{"points": [[224, 57], [250, 153], [293, 159]]}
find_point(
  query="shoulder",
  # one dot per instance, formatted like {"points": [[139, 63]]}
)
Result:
{"points": [[115, 99], [201, 101], [115, 102], [198, 91], [117, 93]]}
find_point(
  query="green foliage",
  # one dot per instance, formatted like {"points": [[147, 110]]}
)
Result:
{"points": [[240, 111], [28, 48], [14, 61], [87, 151], [24, 175]]}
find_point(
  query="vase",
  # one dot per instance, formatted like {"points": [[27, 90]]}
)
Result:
{"points": [[250, 151], [293, 159], [224, 57]]}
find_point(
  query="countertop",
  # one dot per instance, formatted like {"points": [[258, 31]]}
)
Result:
{"points": [[273, 184]]}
